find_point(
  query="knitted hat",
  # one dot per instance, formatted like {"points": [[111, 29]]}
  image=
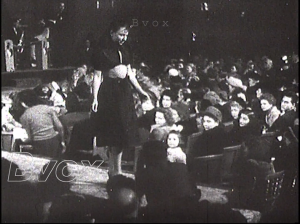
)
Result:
{"points": [[213, 112]]}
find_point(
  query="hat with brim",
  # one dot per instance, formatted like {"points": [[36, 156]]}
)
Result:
{"points": [[212, 112]]}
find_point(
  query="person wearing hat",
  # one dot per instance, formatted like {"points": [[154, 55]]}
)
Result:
{"points": [[213, 138], [231, 109]]}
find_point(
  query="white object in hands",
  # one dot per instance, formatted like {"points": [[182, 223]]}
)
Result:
{"points": [[119, 71]]}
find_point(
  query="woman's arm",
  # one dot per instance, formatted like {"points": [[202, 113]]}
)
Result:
{"points": [[98, 78], [135, 83], [60, 129]]}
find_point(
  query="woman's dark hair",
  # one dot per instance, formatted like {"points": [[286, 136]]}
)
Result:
{"points": [[181, 143], [29, 97], [43, 91], [117, 23], [269, 97], [248, 112], [253, 121], [291, 95], [169, 93], [168, 114]]}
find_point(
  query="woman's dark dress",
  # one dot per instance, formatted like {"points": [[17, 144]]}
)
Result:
{"points": [[115, 119]]}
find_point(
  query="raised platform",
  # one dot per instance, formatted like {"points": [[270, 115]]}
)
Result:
{"points": [[32, 77]]}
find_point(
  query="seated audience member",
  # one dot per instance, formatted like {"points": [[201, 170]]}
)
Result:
{"points": [[198, 119], [16, 109], [174, 151], [72, 101], [213, 97], [184, 102], [162, 182], [192, 81], [166, 100], [164, 119], [254, 103], [268, 105], [183, 122], [234, 82], [145, 108], [246, 125], [157, 137], [253, 84], [251, 69], [53, 182], [212, 140], [44, 129], [234, 106], [57, 95], [44, 93], [253, 165], [288, 112]]}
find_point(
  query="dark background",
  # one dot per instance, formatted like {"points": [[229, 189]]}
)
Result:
{"points": [[268, 27]]}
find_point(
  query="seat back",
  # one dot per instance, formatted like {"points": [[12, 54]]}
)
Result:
{"points": [[274, 184], [230, 156], [191, 140], [207, 168]]}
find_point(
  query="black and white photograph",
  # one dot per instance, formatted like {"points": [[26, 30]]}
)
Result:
{"points": [[138, 111]]}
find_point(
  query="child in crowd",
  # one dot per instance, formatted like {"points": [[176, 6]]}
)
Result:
{"points": [[174, 151]]}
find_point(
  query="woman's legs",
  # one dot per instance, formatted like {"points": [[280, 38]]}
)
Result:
{"points": [[115, 161]]}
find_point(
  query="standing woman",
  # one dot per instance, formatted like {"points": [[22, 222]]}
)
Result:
{"points": [[113, 104]]}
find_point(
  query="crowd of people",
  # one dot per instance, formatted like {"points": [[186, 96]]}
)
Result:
{"points": [[253, 97]]}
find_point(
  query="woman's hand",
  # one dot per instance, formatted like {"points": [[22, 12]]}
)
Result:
{"points": [[145, 94], [95, 105]]}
